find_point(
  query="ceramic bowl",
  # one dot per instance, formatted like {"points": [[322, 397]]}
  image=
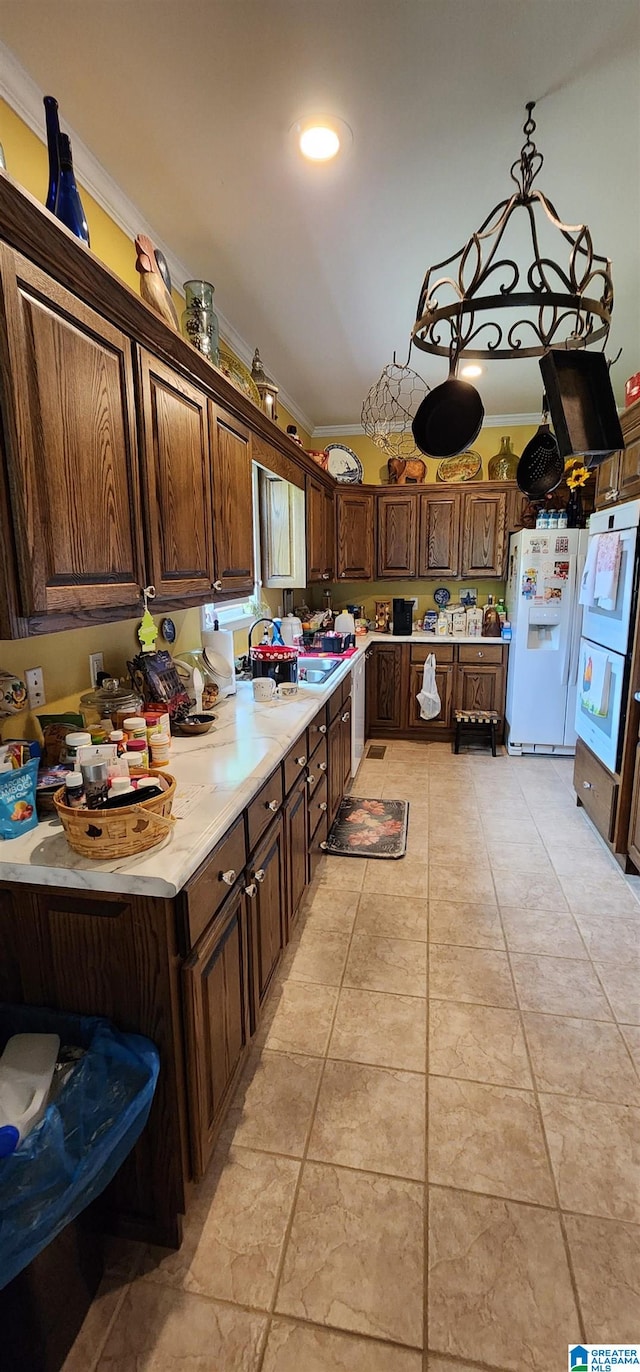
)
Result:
{"points": [[194, 724]]}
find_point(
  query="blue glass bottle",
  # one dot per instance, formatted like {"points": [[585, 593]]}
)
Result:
{"points": [[53, 134], [68, 203]]}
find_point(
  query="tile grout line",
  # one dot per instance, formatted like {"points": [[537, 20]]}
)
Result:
{"points": [[102, 1342]]}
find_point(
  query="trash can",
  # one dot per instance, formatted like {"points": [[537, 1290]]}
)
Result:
{"points": [[60, 1168]]}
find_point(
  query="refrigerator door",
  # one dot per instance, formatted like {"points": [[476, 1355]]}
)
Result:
{"points": [[600, 695], [542, 596], [574, 648], [611, 627]]}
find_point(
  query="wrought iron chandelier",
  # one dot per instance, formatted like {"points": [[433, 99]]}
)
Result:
{"points": [[556, 306]]}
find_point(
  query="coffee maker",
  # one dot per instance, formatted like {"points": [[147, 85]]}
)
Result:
{"points": [[402, 616]]}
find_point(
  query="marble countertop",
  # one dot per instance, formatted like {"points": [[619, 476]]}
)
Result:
{"points": [[228, 765], [419, 636]]}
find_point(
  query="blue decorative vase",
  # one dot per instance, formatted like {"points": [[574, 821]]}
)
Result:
{"points": [[200, 321], [68, 203], [53, 134]]}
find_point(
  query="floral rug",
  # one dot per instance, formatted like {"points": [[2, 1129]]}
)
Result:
{"points": [[369, 828]]}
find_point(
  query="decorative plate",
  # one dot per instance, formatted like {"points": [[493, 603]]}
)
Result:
{"points": [[240, 375], [344, 464], [465, 467], [441, 595]]}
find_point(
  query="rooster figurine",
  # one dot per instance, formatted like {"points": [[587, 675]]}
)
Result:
{"points": [[152, 286]]}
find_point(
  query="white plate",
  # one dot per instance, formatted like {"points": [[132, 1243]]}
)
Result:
{"points": [[344, 464]]}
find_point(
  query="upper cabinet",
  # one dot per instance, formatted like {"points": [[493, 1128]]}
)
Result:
{"points": [[69, 431], [619, 477], [397, 535], [355, 518], [484, 533], [330, 532], [232, 504], [321, 531], [439, 535]]}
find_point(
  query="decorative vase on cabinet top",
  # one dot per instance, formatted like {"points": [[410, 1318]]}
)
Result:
{"points": [[68, 203], [503, 466], [53, 134], [200, 321]]}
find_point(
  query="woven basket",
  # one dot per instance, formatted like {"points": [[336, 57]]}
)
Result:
{"points": [[107, 834]]}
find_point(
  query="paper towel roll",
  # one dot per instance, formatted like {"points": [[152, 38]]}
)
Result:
{"points": [[220, 658]]}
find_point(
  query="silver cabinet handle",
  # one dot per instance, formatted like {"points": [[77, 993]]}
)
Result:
{"points": [[217, 585], [612, 494], [250, 890], [259, 875], [301, 761], [310, 780], [228, 877], [480, 653], [322, 766], [322, 728], [322, 805], [345, 717], [273, 805], [586, 786], [343, 574]]}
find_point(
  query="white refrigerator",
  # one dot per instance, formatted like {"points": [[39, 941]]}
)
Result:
{"points": [[544, 572]]}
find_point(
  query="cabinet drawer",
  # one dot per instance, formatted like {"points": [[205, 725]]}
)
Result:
{"points": [[596, 789], [318, 764], [262, 809], [443, 651], [482, 652], [316, 731], [334, 703], [295, 762], [209, 886], [318, 806]]}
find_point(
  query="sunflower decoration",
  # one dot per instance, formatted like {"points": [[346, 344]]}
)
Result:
{"points": [[576, 475]]}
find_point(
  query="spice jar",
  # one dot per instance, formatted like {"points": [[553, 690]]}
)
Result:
{"points": [[96, 783], [137, 756]]}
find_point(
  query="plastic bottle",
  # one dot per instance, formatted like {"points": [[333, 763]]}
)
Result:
{"points": [[137, 756], [26, 1069], [119, 786], [75, 741], [74, 793], [117, 736]]}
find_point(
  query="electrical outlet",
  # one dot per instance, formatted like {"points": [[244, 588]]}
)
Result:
{"points": [[96, 664], [34, 678]]}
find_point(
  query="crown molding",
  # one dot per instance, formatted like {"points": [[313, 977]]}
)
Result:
{"points": [[490, 421], [24, 96]]}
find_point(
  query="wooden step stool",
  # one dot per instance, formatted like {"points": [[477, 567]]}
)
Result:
{"points": [[475, 721]]}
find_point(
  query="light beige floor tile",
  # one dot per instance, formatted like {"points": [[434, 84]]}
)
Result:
{"points": [[595, 1154], [606, 1261], [581, 1057], [122, 1260], [608, 939], [505, 830], [404, 877], [487, 1138], [302, 1020], [436, 1364], [455, 848], [477, 1043], [327, 908], [392, 917], [233, 1242], [500, 1291], [558, 986], [632, 1039], [318, 956], [347, 873], [163, 1330], [529, 891], [600, 896], [308, 1348], [463, 883], [388, 1031], [367, 788], [571, 863], [445, 833], [518, 858], [466, 923], [271, 1110], [385, 964], [354, 1258], [622, 986], [470, 974], [542, 931], [418, 842], [371, 1118]]}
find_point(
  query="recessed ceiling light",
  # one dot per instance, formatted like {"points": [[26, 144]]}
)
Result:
{"points": [[472, 369], [321, 137]]}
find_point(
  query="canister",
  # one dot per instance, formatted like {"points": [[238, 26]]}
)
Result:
{"points": [[96, 783]]}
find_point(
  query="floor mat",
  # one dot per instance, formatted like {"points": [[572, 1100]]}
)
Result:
{"points": [[369, 828]]}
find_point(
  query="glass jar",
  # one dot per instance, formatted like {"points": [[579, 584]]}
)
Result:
{"points": [[199, 320], [111, 701], [504, 465]]}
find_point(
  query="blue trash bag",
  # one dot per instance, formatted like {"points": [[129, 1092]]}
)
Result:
{"points": [[86, 1133]]}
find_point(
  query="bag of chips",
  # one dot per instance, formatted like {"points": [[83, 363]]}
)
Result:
{"points": [[18, 800]]}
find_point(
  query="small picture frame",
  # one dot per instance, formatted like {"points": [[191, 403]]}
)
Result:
{"points": [[469, 597]]}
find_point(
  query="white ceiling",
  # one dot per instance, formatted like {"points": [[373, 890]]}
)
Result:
{"points": [[188, 106]]}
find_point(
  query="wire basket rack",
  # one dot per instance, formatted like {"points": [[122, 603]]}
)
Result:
{"points": [[389, 407]]}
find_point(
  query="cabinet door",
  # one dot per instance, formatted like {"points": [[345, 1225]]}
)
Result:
{"points": [[316, 526], [607, 482], [484, 525], [634, 822], [355, 525], [397, 515], [629, 471], [384, 686], [335, 747], [176, 474], [70, 437], [444, 683], [266, 890], [479, 688], [439, 535], [296, 845], [232, 504], [216, 1000], [345, 726], [329, 535]]}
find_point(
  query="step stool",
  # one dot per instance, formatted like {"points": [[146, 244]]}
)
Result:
{"points": [[477, 721]]}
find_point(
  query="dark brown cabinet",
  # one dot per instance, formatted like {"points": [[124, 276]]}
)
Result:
{"points": [[216, 1002], [384, 686], [232, 504], [345, 727], [69, 423], [176, 474], [633, 845], [619, 477], [320, 531], [468, 676], [355, 535], [444, 683], [484, 528], [266, 891], [335, 766], [439, 535], [296, 837], [397, 535], [329, 534], [478, 688]]}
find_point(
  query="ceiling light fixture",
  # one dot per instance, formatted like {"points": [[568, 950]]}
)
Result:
{"points": [[320, 137], [564, 306], [472, 369]]}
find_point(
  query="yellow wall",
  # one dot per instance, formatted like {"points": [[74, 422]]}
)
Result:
{"points": [[374, 462]]}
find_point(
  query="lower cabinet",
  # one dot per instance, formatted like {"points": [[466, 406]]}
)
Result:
{"points": [[444, 683], [335, 766], [384, 686], [633, 846], [266, 892], [296, 840], [345, 754], [478, 688], [468, 676], [215, 983]]}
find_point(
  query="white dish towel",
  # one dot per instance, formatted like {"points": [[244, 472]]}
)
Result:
{"points": [[587, 583], [607, 570]]}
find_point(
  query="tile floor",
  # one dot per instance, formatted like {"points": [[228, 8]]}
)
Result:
{"points": [[429, 1162]]}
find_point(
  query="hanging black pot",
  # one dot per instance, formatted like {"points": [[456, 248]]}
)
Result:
{"points": [[541, 467], [449, 418], [582, 404]]}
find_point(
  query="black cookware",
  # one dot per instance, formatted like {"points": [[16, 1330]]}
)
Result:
{"points": [[541, 467], [449, 418], [582, 404]]}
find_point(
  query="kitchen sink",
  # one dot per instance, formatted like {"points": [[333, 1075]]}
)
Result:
{"points": [[315, 669]]}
